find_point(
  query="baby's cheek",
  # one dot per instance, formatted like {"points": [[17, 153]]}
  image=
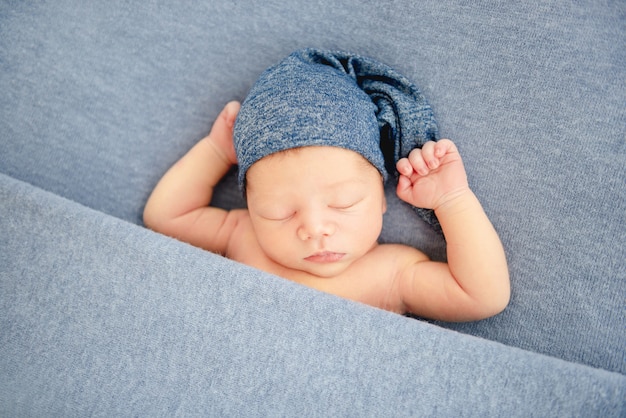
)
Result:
{"points": [[365, 234]]}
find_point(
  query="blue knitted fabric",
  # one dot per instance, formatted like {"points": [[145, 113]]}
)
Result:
{"points": [[325, 98]]}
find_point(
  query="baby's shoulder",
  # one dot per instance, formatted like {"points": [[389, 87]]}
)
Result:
{"points": [[389, 259], [242, 238], [398, 252], [240, 223]]}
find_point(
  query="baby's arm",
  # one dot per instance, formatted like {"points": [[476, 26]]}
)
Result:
{"points": [[474, 284], [178, 206]]}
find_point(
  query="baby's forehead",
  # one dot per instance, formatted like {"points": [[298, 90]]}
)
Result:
{"points": [[322, 152], [327, 167]]}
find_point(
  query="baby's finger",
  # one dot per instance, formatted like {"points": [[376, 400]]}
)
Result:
{"points": [[230, 112], [404, 186], [225, 121], [428, 154], [404, 167], [417, 161], [444, 146], [222, 131]]}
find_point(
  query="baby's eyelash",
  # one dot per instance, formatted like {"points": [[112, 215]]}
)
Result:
{"points": [[341, 206], [279, 219], [345, 206]]}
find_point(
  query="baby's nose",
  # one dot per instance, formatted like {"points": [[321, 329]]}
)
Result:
{"points": [[314, 226]]}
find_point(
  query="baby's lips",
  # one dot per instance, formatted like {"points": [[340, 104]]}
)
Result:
{"points": [[325, 257]]}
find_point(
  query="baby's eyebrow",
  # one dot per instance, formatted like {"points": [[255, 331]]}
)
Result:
{"points": [[348, 182]]}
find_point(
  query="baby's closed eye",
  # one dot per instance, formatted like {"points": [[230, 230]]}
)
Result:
{"points": [[278, 218], [344, 204], [276, 213]]}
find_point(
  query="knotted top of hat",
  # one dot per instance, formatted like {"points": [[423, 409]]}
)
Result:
{"points": [[326, 98]]}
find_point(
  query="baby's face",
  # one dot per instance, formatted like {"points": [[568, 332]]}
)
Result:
{"points": [[316, 209]]}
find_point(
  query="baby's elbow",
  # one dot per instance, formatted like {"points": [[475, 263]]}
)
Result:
{"points": [[149, 218], [500, 297], [486, 309], [153, 219], [500, 303], [491, 301], [505, 296]]}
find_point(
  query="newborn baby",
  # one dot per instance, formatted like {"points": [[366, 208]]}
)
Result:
{"points": [[314, 141]]}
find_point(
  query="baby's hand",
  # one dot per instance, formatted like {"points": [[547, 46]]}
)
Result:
{"points": [[221, 135], [432, 175]]}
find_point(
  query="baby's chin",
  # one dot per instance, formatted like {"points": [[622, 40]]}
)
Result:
{"points": [[326, 270]]}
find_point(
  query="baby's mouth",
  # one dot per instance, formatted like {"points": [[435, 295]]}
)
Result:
{"points": [[325, 257]]}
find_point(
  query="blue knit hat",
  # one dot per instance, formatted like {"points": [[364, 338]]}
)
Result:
{"points": [[325, 98]]}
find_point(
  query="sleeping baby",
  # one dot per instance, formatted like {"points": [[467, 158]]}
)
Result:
{"points": [[315, 141]]}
